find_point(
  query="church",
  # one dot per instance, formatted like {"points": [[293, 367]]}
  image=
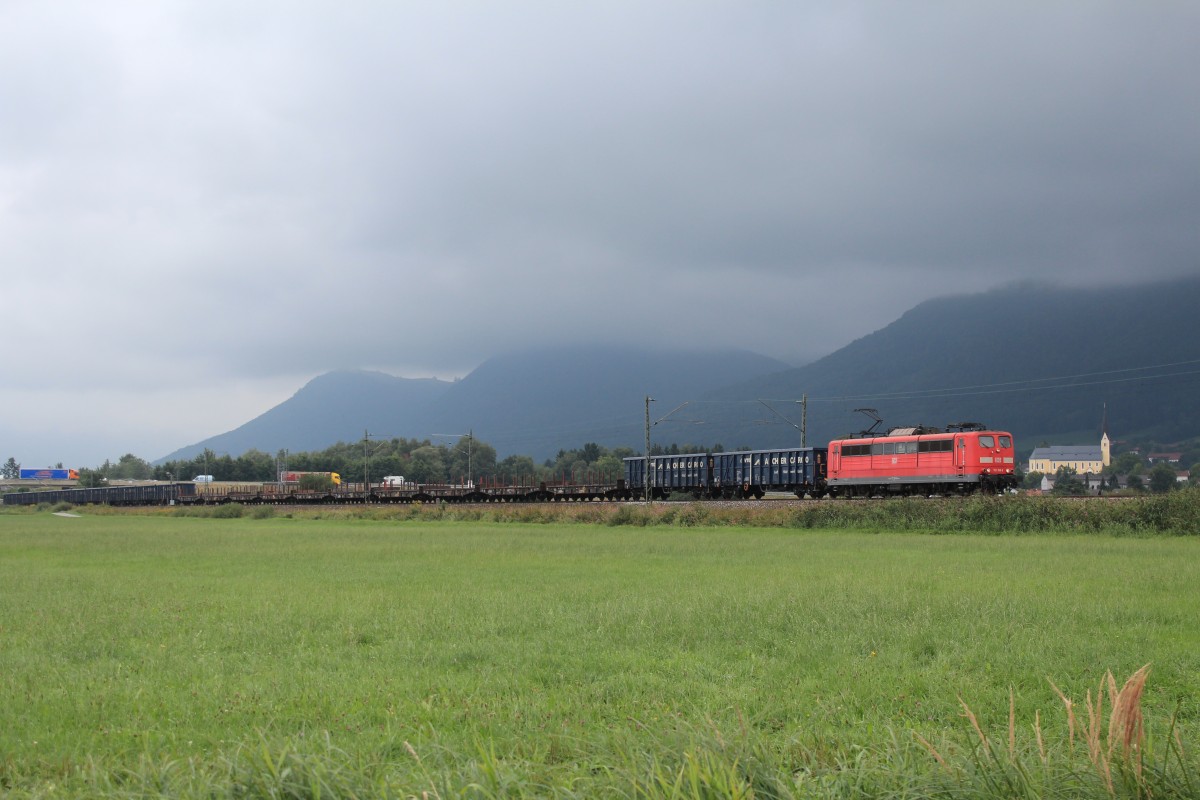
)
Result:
{"points": [[1081, 458]]}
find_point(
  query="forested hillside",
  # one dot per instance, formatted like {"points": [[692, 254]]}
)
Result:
{"points": [[533, 403], [538, 402], [334, 407], [1041, 361], [1044, 362]]}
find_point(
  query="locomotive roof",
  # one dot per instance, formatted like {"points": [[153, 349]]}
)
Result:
{"points": [[919, 430]]}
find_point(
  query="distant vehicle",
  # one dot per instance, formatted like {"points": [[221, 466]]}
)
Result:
{"points": [[49, 474], [202, 479], [392, 481], [294, 477]]}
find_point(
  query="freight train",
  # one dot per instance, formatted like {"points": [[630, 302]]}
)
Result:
{"points": [[150, 494], [965, 458]]}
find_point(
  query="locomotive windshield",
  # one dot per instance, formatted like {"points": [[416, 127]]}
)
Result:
{"points": [[987, 441]]}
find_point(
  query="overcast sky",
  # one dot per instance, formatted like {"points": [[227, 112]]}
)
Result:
{"points": [[205, 204]]}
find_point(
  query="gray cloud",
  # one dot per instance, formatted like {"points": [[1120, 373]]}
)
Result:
{"points": [[199, 195]]}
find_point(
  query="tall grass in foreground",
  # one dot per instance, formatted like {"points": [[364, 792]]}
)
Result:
{"points": [[154, 656], [1108, 753], [1174, 514], [1111, 751]]}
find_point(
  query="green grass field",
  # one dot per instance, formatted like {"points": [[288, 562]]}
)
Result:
{"points": [[156, 655]]}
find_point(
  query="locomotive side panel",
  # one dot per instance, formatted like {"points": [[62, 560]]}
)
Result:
{"points": [[947, 462]]}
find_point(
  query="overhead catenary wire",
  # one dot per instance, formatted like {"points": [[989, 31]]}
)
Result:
{"points": [[625, 424], [1030, 384]]}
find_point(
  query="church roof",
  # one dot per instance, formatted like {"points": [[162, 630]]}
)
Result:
{"points": [[1069, 452]]}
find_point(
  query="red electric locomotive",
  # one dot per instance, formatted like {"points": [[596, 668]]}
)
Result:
{"points": [[964, 459]]}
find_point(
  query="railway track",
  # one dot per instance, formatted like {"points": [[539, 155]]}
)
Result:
{"points": [[782, 501]]}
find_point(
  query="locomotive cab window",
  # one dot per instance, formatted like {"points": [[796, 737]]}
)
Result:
{"points": [[987, 441], [1006, 441]]}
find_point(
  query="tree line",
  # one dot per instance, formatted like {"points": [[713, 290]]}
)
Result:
{"points": [[417, 460], [470, 459]]}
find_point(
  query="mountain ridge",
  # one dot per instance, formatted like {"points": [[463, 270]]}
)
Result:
{"points": [[1061, 358], [532, 402], [316, 412], [1039, 360]]}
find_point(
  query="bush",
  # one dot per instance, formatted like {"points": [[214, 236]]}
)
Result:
{"points": [[1175, 513], [628, 515], [227, 511]]}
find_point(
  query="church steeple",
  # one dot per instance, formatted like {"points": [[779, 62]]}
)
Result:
{"points": [[1105, 449]]}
